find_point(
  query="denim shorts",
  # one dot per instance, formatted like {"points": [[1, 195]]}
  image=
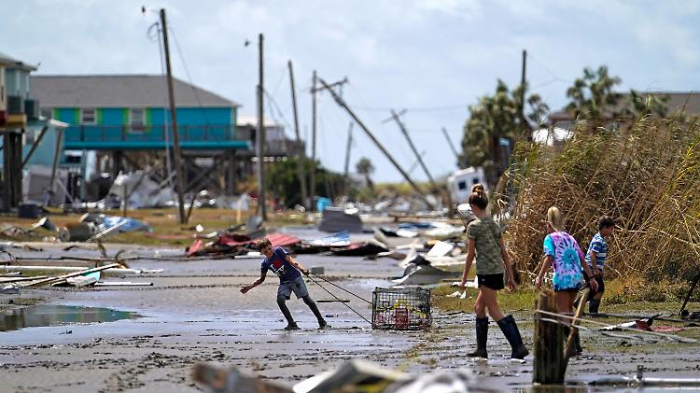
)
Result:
{"points": [[297, 286]]}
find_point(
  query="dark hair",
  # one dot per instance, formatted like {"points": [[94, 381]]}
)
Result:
{"points": [[605, 222], [262, 243], [478, 196]]}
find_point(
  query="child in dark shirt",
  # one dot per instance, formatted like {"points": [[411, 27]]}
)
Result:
{"points": [[289, 272]]}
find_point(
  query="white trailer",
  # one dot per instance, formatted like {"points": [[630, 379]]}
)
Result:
{"points": [[460, 183]]}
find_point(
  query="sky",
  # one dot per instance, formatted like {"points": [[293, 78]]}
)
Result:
{"points": [[433, 58]]}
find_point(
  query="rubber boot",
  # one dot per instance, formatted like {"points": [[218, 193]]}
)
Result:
{"points": [[577, 349], [322, 324], [510, 330], [482, 333], [594, 306], [282, 303]]}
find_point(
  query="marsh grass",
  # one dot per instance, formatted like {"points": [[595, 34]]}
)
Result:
{"points": [[645, 175]]}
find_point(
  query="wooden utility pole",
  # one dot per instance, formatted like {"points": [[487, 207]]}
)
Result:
{"points": [[359, 122], [522, 83], [301, 154], [312, 178], [173, 122], [347, 160], [449, 142], [260, 137], [402, 127], [527, 129]]}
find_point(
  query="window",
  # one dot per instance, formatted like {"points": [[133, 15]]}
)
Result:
{"points": [[137, 120], [462, 185], [88, 117]]}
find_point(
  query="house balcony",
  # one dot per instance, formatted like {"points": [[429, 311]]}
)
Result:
{"points": [[153, 137]]}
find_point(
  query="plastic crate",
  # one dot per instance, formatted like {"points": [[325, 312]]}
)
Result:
{"points": [[401, 309]]}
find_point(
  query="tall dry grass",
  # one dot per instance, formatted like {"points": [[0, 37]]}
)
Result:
{"points": [[645, 175]]}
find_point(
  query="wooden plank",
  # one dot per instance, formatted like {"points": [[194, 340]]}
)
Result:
{"points": [[18, 279], [569, 349], [63, 277]]}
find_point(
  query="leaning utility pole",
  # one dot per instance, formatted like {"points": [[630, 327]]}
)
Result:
{"points": [[343, 105], [402, 127], [347, 160], [173, 122], [312, 176], [260, 137], [449, 142], [301, 154]]}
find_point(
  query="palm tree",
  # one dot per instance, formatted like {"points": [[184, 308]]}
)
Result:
{"points": [[365, 168]]}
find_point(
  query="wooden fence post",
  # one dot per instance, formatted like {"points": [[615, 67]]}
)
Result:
{"points": [[549, 363]]}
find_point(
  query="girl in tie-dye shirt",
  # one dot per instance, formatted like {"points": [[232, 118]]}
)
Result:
{"points": [[563, 253]]}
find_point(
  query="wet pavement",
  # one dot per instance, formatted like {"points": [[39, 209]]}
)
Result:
{"points": [[194, 313]]}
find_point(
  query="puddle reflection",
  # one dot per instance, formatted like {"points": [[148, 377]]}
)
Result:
{"points": [[55, 315]]}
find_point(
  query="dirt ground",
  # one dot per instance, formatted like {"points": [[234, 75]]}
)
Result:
{"points": [[194, 313]]}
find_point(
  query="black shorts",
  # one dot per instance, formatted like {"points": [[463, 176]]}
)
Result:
{"points": [[601, 285], [493, 281]]}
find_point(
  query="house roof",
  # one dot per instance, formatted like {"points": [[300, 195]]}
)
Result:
{"points": [[119, 91], [252, 121], [11, 62], [689, 102]]}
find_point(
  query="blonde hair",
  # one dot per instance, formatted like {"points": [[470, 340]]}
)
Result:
{"points": [[554, 218], [478, 196]]}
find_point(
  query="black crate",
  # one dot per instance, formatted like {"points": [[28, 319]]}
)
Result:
{"points": [[401, 308]]}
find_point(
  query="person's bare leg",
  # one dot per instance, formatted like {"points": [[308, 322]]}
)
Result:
{"points": [[479, 305], [490, 300]]}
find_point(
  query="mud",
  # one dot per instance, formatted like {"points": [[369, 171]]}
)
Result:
{"points": [[195, 313]]}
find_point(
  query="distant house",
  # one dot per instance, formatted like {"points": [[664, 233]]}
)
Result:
{"points": [[123, 117], [689, 102], [277, 148], [28, 142]]}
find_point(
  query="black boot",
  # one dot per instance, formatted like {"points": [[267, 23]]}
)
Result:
{"points": [[577, 349], [510, 330], [482, 333], [594, 306], [322, 324]]}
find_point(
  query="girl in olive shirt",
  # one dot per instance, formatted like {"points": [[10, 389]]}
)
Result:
{"points": [[492, 262]]}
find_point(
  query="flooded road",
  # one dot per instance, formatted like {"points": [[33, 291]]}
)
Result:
{"points": [[194, 313]]}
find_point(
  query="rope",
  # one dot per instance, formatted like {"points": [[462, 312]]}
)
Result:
{"points": [[343, 289], [667, 336], [336, 298]]}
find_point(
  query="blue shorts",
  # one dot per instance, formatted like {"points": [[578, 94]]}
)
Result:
{"points": [[297, 286]]}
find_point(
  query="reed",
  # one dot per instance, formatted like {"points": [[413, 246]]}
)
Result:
{"points": [[646, 175]]}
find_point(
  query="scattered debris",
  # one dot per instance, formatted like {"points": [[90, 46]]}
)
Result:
{"points": [[352, 376], [335, 219]]}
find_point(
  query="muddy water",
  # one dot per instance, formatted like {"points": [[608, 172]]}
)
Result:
{"points": [[195, 313], [57, 315]]}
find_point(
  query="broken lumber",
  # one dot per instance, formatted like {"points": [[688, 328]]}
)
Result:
{"points": [[49, 280]]}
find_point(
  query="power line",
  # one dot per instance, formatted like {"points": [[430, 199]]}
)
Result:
{"points": [[187, 73], [549, 70]]}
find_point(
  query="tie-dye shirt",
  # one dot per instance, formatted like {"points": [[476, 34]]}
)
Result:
{"points": [[566, 260]]}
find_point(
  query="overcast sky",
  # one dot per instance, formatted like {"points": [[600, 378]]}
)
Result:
{"points": [[432, 57]]}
